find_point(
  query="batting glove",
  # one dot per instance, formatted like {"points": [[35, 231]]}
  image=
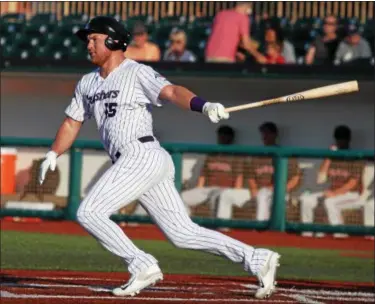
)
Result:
{"points": [[48, 163], [215, 111]]}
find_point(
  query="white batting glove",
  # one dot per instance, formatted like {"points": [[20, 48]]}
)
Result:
{"points": [[48, 163], [215, 111]]}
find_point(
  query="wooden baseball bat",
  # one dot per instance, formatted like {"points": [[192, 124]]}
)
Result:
{"points": [[334, 89]]}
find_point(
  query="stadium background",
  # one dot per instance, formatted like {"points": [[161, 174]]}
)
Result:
{"points": [[36, 86]]}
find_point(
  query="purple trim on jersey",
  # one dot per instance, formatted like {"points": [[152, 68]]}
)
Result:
{"points": [[197, 103]]}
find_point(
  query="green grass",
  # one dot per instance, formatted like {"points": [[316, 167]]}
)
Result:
{"points": [[20, 250]]}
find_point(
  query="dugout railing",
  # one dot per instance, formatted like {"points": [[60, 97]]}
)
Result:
{"points": [[280, 155]]}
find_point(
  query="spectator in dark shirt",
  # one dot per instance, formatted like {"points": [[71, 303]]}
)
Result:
{"points": [[324, 47]]}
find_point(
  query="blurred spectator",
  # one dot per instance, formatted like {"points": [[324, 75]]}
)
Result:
{"points": [[230, 29], [258, 177], [275, 35], [276, 50], [323, 49], [354, 47], [219, 171], [141, 49], [177, 50], [272, 56], [345, 179]]}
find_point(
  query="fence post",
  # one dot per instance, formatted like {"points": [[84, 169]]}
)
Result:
{"points": [[75, 173], [278, 218], [177, 160]]}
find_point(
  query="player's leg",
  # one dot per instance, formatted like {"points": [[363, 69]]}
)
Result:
{"points": [[121, 184], [335, 205], [308, 205], [264, 201], [196, 196], [369, 212], [165, 206], [229, 198]]}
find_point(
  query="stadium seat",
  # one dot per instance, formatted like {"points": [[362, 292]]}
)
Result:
{"points": [[78, 19], [43, 19], [260, 27], [130, 21], [197, 47], [198, 33], [172, 21], [303, 33], [13, 18], [199, 29], [11, 28], [203, 21]]}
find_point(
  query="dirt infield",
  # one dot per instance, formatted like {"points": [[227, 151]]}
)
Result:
{"points": [[151, 232], [80, 287]]}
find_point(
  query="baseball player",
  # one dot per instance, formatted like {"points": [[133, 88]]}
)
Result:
{"points": [[219, 172], [119, 94], [258, 176], [345, 189]]}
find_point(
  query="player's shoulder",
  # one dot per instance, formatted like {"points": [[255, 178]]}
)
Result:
{"points": [[89, 76], [132, 66]]}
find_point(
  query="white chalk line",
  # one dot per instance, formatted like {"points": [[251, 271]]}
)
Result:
{"points": [[320, 291], [248, 286], [5, 294], [304, 300], [249, 289]]}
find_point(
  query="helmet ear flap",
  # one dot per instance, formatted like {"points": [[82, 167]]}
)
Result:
{"points": [[113, 45], [110, 43]]}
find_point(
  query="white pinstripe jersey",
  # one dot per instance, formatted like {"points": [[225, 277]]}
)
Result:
{"points": [[121, 103]]}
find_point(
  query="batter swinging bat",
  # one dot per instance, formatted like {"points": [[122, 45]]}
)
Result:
{"points": [[335, 89]]}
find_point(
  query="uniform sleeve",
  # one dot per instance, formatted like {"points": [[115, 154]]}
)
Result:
{"points": [[293, 168], [151, 83], [250, 164], [77, 109]]}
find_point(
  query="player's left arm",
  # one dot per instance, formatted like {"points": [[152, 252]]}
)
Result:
{"points": [[186, 99], [353, 182], [295, 178], [347, 187], [157, 88]]}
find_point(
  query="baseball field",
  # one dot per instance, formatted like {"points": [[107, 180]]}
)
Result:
{"points": [[59, 262]]}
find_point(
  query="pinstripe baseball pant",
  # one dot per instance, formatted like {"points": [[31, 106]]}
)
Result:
{"points": [[145, 171]]}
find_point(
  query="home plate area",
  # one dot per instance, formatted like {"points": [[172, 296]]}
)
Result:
{"points": [[81, 287]]}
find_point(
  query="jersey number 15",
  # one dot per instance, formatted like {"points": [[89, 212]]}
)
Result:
{"points": [[110, 109]]}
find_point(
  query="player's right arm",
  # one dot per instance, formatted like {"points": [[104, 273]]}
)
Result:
{"points": [[68, 131], [66, 135], [253, 187], [323, 170]]}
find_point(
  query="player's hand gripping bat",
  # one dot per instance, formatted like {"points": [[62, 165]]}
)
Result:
{"points": [[334, 89]]}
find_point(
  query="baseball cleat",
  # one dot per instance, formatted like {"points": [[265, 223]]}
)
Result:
{"points": [[267, 275], [144, 279]]}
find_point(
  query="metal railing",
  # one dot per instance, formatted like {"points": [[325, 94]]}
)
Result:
{"points": [[293, 10], [280, 156]]}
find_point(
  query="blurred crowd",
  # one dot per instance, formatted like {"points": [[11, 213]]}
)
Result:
{"points": [[232, 35], [231, 41]]}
